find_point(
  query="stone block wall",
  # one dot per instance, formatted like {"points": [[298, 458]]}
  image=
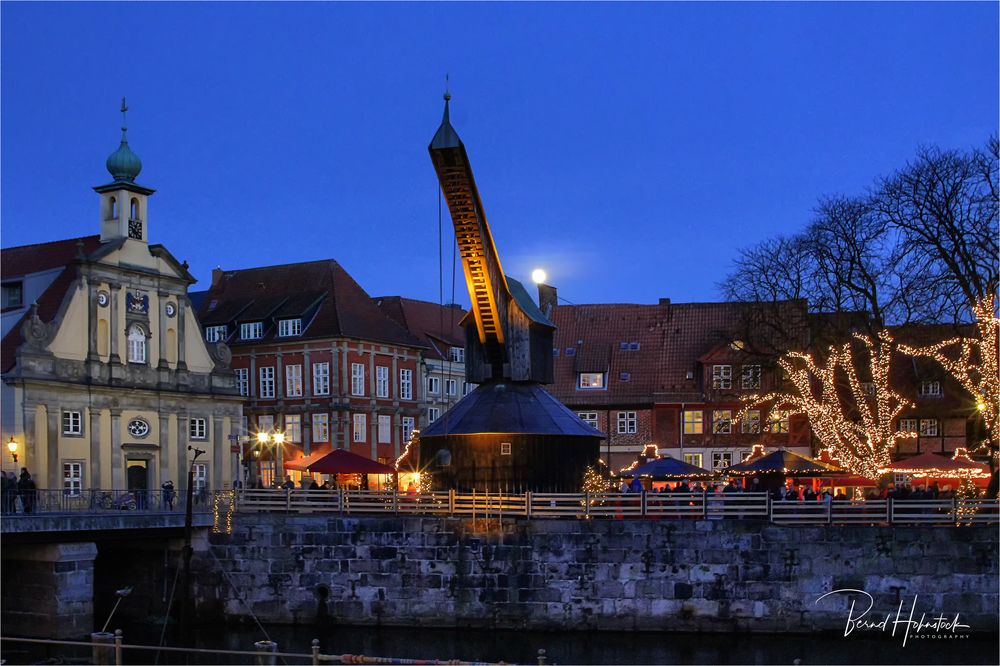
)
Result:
{"points": [[606, 575]]}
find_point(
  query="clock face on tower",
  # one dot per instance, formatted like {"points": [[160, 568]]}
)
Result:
{"points": [[138, 428], [135, 229], [170, 309], [102, 298]]}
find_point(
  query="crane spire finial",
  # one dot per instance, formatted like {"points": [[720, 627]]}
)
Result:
{"points": [[124, 123], [447, 92]]}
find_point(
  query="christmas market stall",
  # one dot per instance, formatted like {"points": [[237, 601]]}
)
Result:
{"points": [[668, 469], [776, 468], [350, 469], [931, 468]]}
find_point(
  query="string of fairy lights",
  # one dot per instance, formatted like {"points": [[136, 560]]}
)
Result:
{"points": [[973, 363], [859, 427]]}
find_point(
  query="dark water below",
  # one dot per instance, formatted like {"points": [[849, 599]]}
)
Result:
{"points": [[561, 647]]}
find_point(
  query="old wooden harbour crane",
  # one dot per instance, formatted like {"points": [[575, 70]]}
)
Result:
{"points": [[509, 433]]}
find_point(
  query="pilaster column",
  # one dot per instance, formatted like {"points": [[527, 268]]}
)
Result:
{"points": [[182, 305], [95, 447], [92, 323], [30, 456], [164, 453], [394, 380], [334, 372], [335, 430], [164, 323], [345, 378], [115, 288], [117, 468], [253, 380], [52, 448], [371, 376], [279, 377], [306, 433], [373, 428], [397, 434], [306, 376], [182, 453], [218, 456]]}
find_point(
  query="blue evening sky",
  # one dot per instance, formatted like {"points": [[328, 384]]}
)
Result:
{"points": [[629, 149]]}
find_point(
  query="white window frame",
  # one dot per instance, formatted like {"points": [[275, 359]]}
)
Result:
{"points": [[505, 448], [434, 386], [293, 380], [628, 423], [433, 414], [357, 378], [321, 378], [384, 429], [930, 389], [722, 421], [722, 376], [320, 427], [200, 476], [909, 425], [409, 425], [693, 459], [591, 381], [930, 428], [457, 354], [751, 424], [750, 376], [721, 459], [265, 423], [243, 381], [381, 381], [288, 328], [72, 478], [293, 428], [451, 387], [590, 418], [359, 423], [266, 382], [136, 344], [694, 424], [216, 333], [198, 428], [72, 422], [779, 421], [253, 330], [405, 384]]}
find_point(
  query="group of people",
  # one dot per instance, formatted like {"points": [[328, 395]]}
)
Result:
{"points": [[17, 493]]}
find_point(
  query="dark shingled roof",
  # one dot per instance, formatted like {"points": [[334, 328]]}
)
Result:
{"points": [[437, 325], [322, 293], [509, 407], [27, 259]]}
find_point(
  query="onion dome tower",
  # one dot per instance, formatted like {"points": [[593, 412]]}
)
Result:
{"points": [[123, 201]]}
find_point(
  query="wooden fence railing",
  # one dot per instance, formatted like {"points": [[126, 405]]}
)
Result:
{"points": [[699, 506]]}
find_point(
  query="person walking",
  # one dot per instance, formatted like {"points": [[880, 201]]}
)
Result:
{"points": [[168, 495]]}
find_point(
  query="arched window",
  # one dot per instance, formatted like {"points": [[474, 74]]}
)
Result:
{"points": [[136, 344], [114, 208], [134, 212]]}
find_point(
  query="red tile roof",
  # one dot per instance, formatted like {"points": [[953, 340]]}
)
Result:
{"points": [[671, 338], [28, 259], [329, 301], [437, 325]]}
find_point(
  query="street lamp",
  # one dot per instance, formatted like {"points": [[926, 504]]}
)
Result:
{"points": [[263, 439], [12, 447]]}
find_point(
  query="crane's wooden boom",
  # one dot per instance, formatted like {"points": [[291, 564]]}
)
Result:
{"points": [[512, 337]]}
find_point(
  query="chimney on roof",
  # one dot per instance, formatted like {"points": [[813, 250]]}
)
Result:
{"points": [[547, 298], [664, 301], [217, 274]]}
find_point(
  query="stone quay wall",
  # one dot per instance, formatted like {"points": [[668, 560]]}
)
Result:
{"points": [[682, 575]]}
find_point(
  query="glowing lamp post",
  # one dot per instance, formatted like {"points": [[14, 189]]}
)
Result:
{"points": [[263, 439], [12, 447]]}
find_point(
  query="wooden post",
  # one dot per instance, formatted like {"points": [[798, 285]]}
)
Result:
{"points": [[315, 652], [118, 647]]}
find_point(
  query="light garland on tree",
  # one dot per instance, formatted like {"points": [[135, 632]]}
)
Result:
{"points": [[858, 428], [229, 498], [414, 435], [973, 362]]}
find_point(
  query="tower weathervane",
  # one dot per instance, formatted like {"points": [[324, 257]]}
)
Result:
{"points": [[447, 92], [124, 123]]}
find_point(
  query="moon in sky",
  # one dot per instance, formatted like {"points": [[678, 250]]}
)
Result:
{"points": [[538, 276]]}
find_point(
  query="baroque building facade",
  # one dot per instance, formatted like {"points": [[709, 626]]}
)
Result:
{"points": [[106, 380]]}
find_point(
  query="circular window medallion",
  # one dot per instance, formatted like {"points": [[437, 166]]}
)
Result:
{"points": [[170, 309], [138, 427], [103, 299]]}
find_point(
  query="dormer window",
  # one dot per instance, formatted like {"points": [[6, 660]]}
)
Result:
{"points": [[930, 388], [628, 346], [252, 331], [13, 295], [216, 333], [722, 376], [289, 327], [457, 355], [591, 380]]}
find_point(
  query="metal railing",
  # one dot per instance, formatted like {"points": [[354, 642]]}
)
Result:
{"points": [[645, 505], [44, 501]]}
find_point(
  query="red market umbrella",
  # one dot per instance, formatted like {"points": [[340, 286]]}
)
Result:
{"points": [[342, 461], [302, 464]]}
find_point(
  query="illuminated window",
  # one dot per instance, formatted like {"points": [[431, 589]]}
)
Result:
{"points": [[908, 425], [750, 377], [293, 381], [721, 460], [930, 388], [722, 376], [693, 423], [778, 421], [928, 427], [627, 423], [722, 421], [751, 423], [591, 380], [321, 427], [293, 428], [693, 459], [360, 423]]}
